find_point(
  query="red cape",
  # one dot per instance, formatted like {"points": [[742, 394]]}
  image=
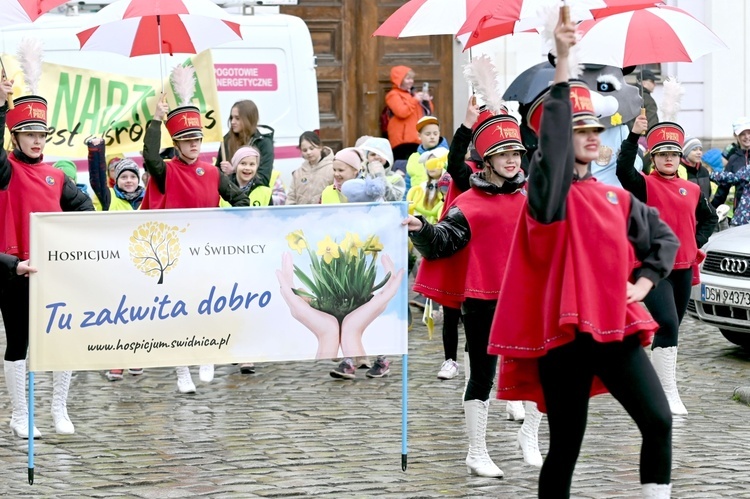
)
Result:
{"points": [[564, 278], [186, 186], [476, 271], [676, 200], [32, 189]]}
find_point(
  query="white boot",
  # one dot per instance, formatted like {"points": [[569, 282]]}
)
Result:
{"points": [[60, 387], [514, 410], [478, 461], [665, 365], [528, 436], [184, 380], [15, 379], [656, 490], [206, 373]]}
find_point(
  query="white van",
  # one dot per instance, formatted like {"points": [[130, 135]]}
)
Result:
{"points": [[273, 65]]}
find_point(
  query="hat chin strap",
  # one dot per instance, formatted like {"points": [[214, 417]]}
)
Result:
{"points": [[671, 175]]}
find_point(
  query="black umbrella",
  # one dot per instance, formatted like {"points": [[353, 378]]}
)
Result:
{"points": [[530, 83]]}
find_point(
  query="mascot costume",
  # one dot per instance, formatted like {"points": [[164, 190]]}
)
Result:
{"points": [[621, 103]]}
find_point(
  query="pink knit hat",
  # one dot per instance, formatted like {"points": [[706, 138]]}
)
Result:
{"points": [[242, 153], [350, 156]]}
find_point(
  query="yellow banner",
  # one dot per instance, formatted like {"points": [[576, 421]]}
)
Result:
{"points": [[84, 103]]}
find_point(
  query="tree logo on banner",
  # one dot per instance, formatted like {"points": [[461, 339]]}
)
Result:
{"points": [[155, 248]]}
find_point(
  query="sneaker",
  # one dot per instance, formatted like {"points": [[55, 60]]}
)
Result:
{"points": [[448, 370], [135, 371], [381, 367], [114, 374], [247, 368], [206, 373], [184, 380], [345, 370]]}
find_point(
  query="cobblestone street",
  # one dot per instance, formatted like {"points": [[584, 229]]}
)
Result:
{"points": [[293, 431]]}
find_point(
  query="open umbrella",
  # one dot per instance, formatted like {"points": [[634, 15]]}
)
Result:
{"points": [[529, 84], [495, 18], [427, 17], [653, 35], [25, 11], [144, 27]]}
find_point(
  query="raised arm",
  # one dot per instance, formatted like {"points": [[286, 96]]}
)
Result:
{"points": [[152, 162], [551, 168], [98, 171], [6, 86], [630, 178]]}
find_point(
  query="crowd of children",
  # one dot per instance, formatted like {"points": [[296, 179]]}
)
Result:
{"points": [[472, 211]]}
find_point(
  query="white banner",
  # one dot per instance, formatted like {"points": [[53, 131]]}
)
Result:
{"points": [[188, 287]]}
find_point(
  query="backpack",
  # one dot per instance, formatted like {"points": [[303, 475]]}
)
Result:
{"points": [[385, 116]]}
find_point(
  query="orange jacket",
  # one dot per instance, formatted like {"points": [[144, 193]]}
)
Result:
{"points": [[402, 127]]}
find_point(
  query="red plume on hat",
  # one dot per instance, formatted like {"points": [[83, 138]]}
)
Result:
{"points": [[29, 113], [184, 121]]}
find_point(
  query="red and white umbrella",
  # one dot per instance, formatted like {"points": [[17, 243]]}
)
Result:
{"points": [[25, 11], [653, 35], [427, 17], [495, 18], [143, 27]]}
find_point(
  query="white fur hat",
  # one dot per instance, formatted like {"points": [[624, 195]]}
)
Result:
{"points": [[379, 146], [438, 152]]}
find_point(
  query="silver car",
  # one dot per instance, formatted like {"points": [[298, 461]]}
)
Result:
{"points": [[722, 299]]}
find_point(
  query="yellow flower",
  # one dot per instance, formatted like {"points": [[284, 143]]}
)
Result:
{"points": [[328, 249], [351, 244], [373, 245], [615, 119], [297, 241]]}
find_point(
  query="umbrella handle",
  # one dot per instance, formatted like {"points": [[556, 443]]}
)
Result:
{"points": [[643, 113], [565, 14]]}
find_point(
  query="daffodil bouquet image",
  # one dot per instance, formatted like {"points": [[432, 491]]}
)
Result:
{"points": [[342, 275]]}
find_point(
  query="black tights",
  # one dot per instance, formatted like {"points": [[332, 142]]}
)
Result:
{"points": [[667, 303], [14, 305], [451, 318], [477, 317], [566, 374]]}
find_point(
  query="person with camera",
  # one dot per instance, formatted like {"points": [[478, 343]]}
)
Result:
{"points": [[407, 108]]}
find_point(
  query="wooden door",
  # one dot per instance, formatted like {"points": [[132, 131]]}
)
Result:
{"points": [[430, 57], [353, 67]]}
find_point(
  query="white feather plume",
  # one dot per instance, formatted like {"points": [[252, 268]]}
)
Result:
{"points": [[183, 82], [482, 75], [30, 59], [551, 15], [671, 102]]}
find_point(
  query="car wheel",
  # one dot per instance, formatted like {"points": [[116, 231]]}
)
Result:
{"points": [[736, 337]]}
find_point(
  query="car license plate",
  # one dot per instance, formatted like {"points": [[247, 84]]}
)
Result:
{"points": [[725, 296]]}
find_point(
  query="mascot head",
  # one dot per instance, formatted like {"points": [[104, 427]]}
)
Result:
{"points": [[621, 101]]}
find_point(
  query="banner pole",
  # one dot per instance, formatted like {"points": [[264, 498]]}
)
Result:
{"points": [[31, 428], [404, 410]]}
